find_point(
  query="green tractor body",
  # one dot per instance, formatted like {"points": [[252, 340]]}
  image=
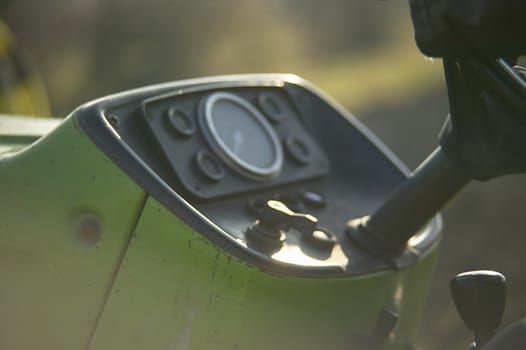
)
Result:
{"points": [[106, 242]]}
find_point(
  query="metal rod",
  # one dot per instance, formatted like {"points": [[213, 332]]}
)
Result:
{"points": [[415, 202]]}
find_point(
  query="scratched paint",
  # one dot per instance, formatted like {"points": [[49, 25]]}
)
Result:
{"points": [[184, 341]]}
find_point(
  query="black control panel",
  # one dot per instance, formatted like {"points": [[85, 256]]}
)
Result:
{"points": [[224, 142], [263, 166]]}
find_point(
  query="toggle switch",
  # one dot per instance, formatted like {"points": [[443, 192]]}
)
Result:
{"points": [[267, 234]]}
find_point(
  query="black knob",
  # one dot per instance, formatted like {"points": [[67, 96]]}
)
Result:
{"points": [[266, 234], [275, 213], [319, 243], [480, 297]]}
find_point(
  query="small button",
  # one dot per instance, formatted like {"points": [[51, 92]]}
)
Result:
{"points": [[210, 166], [312, 198], [297, 149], [270, 108], [181, 122], [320, 243]]}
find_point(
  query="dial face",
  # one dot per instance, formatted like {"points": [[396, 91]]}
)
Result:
{"points": [[241, 135]]}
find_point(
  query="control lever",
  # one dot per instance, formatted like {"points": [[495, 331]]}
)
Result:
{"points": [[267, 234], [480, 297]]}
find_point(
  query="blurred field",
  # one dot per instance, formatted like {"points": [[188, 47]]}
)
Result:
{"points": [[360, 52]]}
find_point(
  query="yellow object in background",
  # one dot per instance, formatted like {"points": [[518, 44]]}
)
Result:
{"points": [[21, 88]]}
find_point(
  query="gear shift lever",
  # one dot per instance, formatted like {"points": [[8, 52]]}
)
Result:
{"points": [[480, 298]]}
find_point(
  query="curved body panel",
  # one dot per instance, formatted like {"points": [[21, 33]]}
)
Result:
{"points": [[103, 245]]}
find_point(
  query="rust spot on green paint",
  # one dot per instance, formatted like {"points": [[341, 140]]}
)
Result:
{"points": [[89, 231]]}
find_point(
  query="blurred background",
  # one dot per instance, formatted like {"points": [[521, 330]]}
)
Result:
{"points": [[360, 52]]}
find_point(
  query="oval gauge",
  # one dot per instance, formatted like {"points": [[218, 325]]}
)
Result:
{"points": [[241, 135]]}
